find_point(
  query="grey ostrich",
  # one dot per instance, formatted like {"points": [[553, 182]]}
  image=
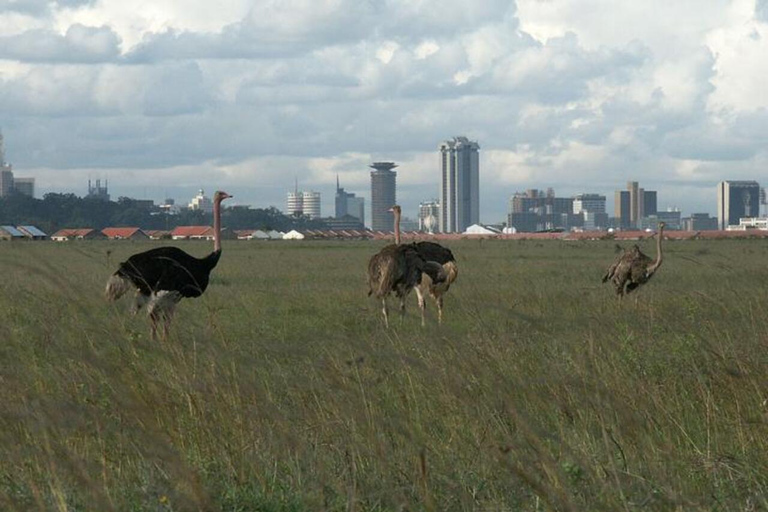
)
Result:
{"points": [[165, 275], [632, 268], [399, 268], [443, 256]]}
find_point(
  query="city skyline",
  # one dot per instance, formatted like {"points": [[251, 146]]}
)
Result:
{"points": [[240, 94]]}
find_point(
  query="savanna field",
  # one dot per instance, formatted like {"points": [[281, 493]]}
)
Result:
{"points": [[280, 390]]}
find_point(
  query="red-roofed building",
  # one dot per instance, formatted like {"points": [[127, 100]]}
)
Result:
{"points": [[192, 233], [63, 235], [125, 234], [158, 234]]}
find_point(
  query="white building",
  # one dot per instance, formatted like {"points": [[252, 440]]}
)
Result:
{"points": [[746, 223], [303, 203], [736, 200], [459, 184], [201, 202], [594, 203], [429, 216], [311, 204]]}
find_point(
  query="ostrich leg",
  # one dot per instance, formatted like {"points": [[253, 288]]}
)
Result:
{"points": [[422, 305]]}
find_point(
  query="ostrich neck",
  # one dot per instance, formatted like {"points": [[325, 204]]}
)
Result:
{"points": [[217, 226], [658, 250], [397, 227]]}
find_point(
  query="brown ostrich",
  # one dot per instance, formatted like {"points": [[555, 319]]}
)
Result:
{"points": [[399, 268], [165, 275], [633, 268], [443, 256]]}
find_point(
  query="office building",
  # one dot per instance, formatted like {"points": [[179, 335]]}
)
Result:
{"points": [[201, 202], [737, 199], [9, 184], [349, 204], [429, 216], [700, 222], [6, 181], [383, 195], [632, 205], [533, 210], [311, 204], [24, 186], [459, 184], [621, 208], [588, 203]]}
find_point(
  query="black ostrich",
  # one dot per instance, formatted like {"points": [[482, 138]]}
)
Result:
{"points": [[399, 268], [163, 276], [435, 252]]}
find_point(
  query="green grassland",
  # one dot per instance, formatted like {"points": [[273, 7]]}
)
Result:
{"points": [[280, 389]]}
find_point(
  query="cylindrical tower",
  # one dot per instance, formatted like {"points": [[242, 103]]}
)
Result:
{"points": [[311, 202], [383, 196]]}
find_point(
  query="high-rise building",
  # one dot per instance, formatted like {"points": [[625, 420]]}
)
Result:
{"points": [[383, 195], [201, 202], [634, 204], [594, 203], [295, 204], [349, 204], [6, 181], [735, 200], [6, 171], [311, 204], [459, 185], [621, 208], [650, 205], [97, 191], [24, 186], [533, 210], [429, 216], [9, 183]]}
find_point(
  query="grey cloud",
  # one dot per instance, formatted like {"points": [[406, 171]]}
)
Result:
{"points": [[177, 90], [296, 27], [79, 44]]}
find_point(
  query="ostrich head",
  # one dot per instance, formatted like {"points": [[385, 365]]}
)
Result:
{"points": [[662, 225], [395, 209], [219, 196]]}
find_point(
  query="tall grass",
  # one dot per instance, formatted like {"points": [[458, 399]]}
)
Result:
{"points": [[280, 390]]}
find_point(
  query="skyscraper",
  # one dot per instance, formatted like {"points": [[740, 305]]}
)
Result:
{"points": [[6, 172], [459, 185], [349, 204], [737, 199], [383, 195], [621, 207], [634, 204], [311, 204]]}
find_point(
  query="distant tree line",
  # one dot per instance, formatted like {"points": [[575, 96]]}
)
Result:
{"points": [[57, 211]]}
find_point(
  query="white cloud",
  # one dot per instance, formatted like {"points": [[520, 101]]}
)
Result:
{"points": [[577, 95]]}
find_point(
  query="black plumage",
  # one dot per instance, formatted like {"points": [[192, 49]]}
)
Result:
{"points": [[165, 275], [399, 268], [432, 251], [169, 269], [443, 256]]}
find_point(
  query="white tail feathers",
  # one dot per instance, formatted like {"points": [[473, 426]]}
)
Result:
{"points": [[117, 286], [452, 270]]}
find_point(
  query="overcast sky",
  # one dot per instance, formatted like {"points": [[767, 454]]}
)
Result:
{"points": [[167, 96]]}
